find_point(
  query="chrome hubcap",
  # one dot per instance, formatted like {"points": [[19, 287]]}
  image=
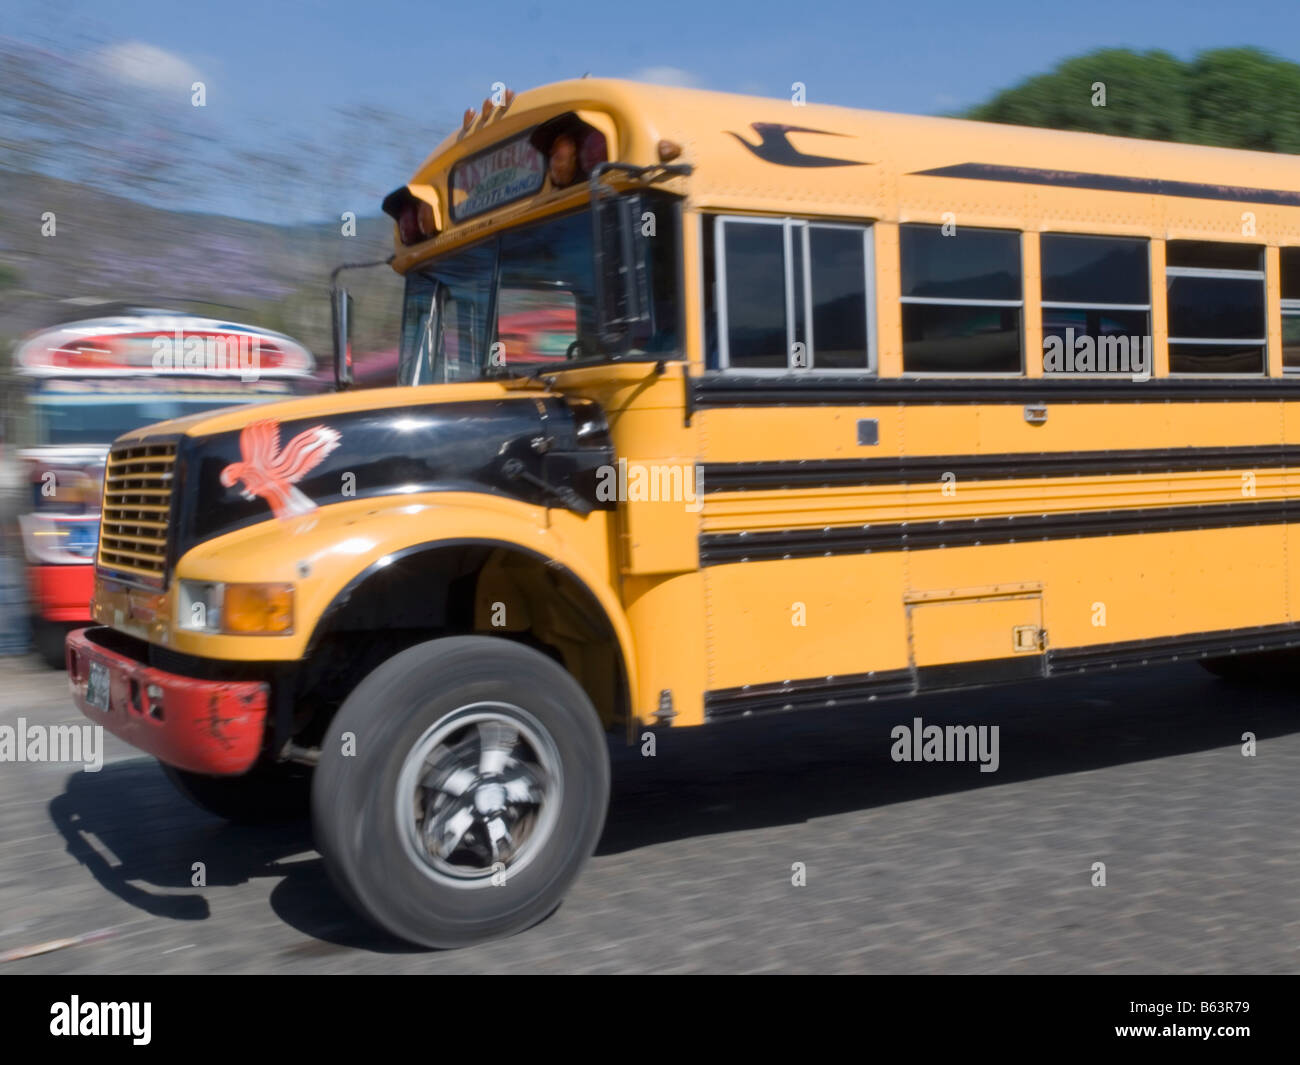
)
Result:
{"points": [[478, 794]]}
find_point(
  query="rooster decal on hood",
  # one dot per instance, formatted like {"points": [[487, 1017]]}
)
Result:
{"points": [[270, 473]]}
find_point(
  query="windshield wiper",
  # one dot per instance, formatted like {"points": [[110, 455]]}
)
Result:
{"points": [[541, 369], [530, 373]]}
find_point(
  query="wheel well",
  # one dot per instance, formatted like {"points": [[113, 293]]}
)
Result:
{"points": [[454, 590]]}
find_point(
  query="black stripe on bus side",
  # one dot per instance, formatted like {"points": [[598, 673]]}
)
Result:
{"points": [[818, 390], [767, 545], [1075, 179], [852, 689], [1071, 660], [807, 694], [835, 473]]}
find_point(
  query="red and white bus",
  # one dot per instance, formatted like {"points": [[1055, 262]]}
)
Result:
{"points": [[91, 380]]}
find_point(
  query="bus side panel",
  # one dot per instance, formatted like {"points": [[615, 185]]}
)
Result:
{"points": [[800, 618], [1135, 532]]}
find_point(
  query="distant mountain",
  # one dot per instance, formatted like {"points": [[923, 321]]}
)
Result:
{"points": [[105, 247]]}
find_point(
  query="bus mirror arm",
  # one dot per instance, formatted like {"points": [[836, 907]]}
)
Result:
{"points": [[341, 321], [638, 173]]}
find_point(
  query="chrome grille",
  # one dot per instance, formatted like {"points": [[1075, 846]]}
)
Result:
{"points": [[137, 500]]}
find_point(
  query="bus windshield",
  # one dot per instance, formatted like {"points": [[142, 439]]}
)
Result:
{"points": [[520, 299]]}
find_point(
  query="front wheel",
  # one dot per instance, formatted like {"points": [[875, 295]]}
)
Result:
{"points": [[461, 787]]}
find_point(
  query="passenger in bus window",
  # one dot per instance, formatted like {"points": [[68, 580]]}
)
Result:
{"points": [[572, 150], [563, 170]]}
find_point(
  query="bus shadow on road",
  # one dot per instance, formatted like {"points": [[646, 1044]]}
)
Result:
{"points": [[140, 840], [788, 768]]}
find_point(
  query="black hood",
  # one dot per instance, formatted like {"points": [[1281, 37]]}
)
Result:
{"points": [[540, 449]]}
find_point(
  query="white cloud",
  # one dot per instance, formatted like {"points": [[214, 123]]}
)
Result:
{"points": [[668, 76], [148, 67]]}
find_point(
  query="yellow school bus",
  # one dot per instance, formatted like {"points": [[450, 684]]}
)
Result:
{"points": [[709, 406]]}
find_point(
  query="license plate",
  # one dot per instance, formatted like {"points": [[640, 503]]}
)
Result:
{"points": [[97, 686]]}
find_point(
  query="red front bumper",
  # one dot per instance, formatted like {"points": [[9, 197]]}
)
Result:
{"points": [[205, 726]]}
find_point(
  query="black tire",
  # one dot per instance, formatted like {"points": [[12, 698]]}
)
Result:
{"points": [[266, 794], [376, 853], [48, 638]]}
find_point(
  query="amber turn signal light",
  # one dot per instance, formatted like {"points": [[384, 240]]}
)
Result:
{"points": [[258, 608]]}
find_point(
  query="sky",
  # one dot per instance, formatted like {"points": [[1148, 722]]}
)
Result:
{"points": [[272, 65]]}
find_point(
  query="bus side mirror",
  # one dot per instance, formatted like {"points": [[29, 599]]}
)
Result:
{"points": [[622, 289], [341, 307]]}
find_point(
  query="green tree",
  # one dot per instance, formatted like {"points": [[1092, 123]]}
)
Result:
{"points": [[1229, 97], [1245, 98]]}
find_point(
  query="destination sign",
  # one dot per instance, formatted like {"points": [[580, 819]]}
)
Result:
{"points": [[509, 171]]}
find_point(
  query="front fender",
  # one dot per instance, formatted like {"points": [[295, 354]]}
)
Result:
{"points": [[322, 553]]}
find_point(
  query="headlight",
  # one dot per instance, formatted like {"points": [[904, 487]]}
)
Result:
{"points": [[237, 609]]}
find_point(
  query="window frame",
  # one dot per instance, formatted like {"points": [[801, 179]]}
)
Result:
{"points": [[933, 301], [1061, 305], [1077, 306], [1221, 274], [789, 224], [1290, 308]]}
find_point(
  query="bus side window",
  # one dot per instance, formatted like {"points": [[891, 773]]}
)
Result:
{"points": [[962, 300], [1290, 264], [788, 295], [1216, 307], [1099, 287]]}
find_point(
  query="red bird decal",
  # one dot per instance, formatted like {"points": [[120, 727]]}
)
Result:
{"points": [[271, 473]]}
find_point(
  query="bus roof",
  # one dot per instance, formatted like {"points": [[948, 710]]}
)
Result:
{"points": [[769, 155]]}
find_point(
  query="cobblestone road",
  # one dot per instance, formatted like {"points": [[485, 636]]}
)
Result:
{"points": [[910, 867]]}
